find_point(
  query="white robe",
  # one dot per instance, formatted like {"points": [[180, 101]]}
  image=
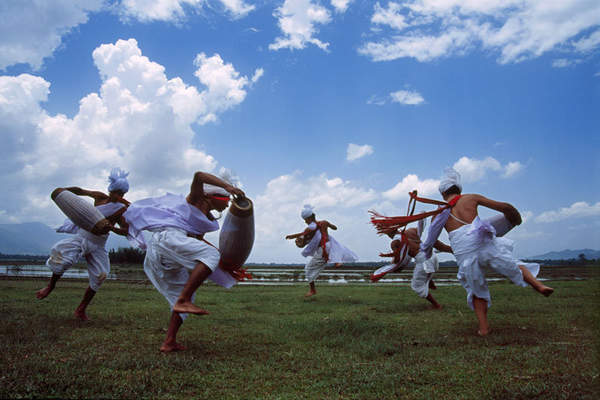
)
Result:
{"points": [[336, 251], [423, 274], [476, 248], [70, 250], [171, 254]]}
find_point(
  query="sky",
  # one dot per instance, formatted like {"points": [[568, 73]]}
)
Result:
{"points": [[346, 105]]}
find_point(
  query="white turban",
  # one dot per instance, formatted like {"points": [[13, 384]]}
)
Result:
{"points": [[451, 178], [217, 190], [307, 211], [118, 180]]}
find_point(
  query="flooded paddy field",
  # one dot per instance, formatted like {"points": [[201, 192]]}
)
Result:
{"points": [[294, 275]]}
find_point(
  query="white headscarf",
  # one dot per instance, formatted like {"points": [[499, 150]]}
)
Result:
{"points": [[451, 178], [118, 180], [226, 176], [307, 211]]}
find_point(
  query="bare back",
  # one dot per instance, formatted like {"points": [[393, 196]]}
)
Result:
{"points": [[465, 210]]}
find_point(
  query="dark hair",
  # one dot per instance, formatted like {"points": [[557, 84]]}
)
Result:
{"points": [[451, 190]]}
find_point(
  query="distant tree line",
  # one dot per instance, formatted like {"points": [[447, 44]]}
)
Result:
{"points": [[25, 257], [127, 255]]}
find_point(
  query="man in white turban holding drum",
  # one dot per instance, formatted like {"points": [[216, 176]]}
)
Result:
{"points": [[178, 259], [477, 245], [84, 243], [320, 246]]}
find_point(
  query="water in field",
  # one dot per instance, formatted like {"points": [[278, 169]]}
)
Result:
{"points": [[287, 275]]}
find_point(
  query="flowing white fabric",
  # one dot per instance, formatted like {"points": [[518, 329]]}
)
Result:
{"points": [[170, 210], [171, 255], [337, 252], [68, 251], [386, 269], [422, 275], [476, 249], [315, 265]]}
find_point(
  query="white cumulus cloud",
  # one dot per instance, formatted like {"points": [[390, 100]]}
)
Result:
{"points": [[340, 5], [426, 187], [407, 97], [355, 151], [580, 209], [515, 30], [472, 169], [297, 20], [139, 120], [31, 31]]}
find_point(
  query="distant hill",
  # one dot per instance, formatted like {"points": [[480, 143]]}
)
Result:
{"points": [[567, 255], [35, 238]]}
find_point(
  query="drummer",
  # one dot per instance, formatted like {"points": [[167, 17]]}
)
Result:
{"points": [[178, 259]]}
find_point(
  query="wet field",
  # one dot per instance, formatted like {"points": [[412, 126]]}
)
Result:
{"points": [[288, 275]]}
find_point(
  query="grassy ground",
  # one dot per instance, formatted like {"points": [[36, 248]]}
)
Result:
{"points": [[362, 342]]}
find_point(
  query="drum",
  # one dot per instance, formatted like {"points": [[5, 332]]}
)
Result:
{"points": [[81, 212], [237, 234], [501, 224]]}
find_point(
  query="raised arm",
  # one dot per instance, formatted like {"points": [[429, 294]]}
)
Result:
{"points": [[200, 178], [332, 226], [509, 211], [297, 235], [97, 196]]}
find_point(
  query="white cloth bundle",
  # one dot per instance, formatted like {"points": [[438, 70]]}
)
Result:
{"points": [[82, 213]]}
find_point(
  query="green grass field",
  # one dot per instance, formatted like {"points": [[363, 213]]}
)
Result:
{"points": [[361, 342]]}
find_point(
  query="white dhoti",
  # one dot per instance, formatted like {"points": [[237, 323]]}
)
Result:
{"points": [[170, 257], [476, 249], [83, 244], [315, 265], [422, 275]]}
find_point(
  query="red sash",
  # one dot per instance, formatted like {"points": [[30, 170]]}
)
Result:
{"points": [[386, 225]]}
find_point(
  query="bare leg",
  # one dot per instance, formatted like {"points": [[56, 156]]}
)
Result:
{"points": [[87, 298], [434, 302], [432, 285], [184, 302], [170, 344], [42, 293], [537, 285], [312, 291], [480, 306]]}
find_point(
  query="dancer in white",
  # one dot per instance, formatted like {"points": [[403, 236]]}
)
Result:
{"points": [[178, 259], [85, 244], [476, 246], [403, 250], [320, 246]]}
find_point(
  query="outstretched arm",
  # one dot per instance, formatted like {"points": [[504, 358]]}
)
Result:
{"points": [[90, 193], [297, 235], [509, 211], [332, 226], [197, 191]]}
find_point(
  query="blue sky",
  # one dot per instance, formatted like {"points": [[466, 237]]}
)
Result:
{"points": [[344, 104]]}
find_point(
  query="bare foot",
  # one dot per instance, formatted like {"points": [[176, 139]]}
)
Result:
{"points": [[436, 307], [545, 290], [484, 332], [310, 293], [80, 315], [170, 347], [432, 285], [40, 294], [187, 307]]}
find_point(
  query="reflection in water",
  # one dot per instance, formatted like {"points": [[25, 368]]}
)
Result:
{"points": [[260, 276]]}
